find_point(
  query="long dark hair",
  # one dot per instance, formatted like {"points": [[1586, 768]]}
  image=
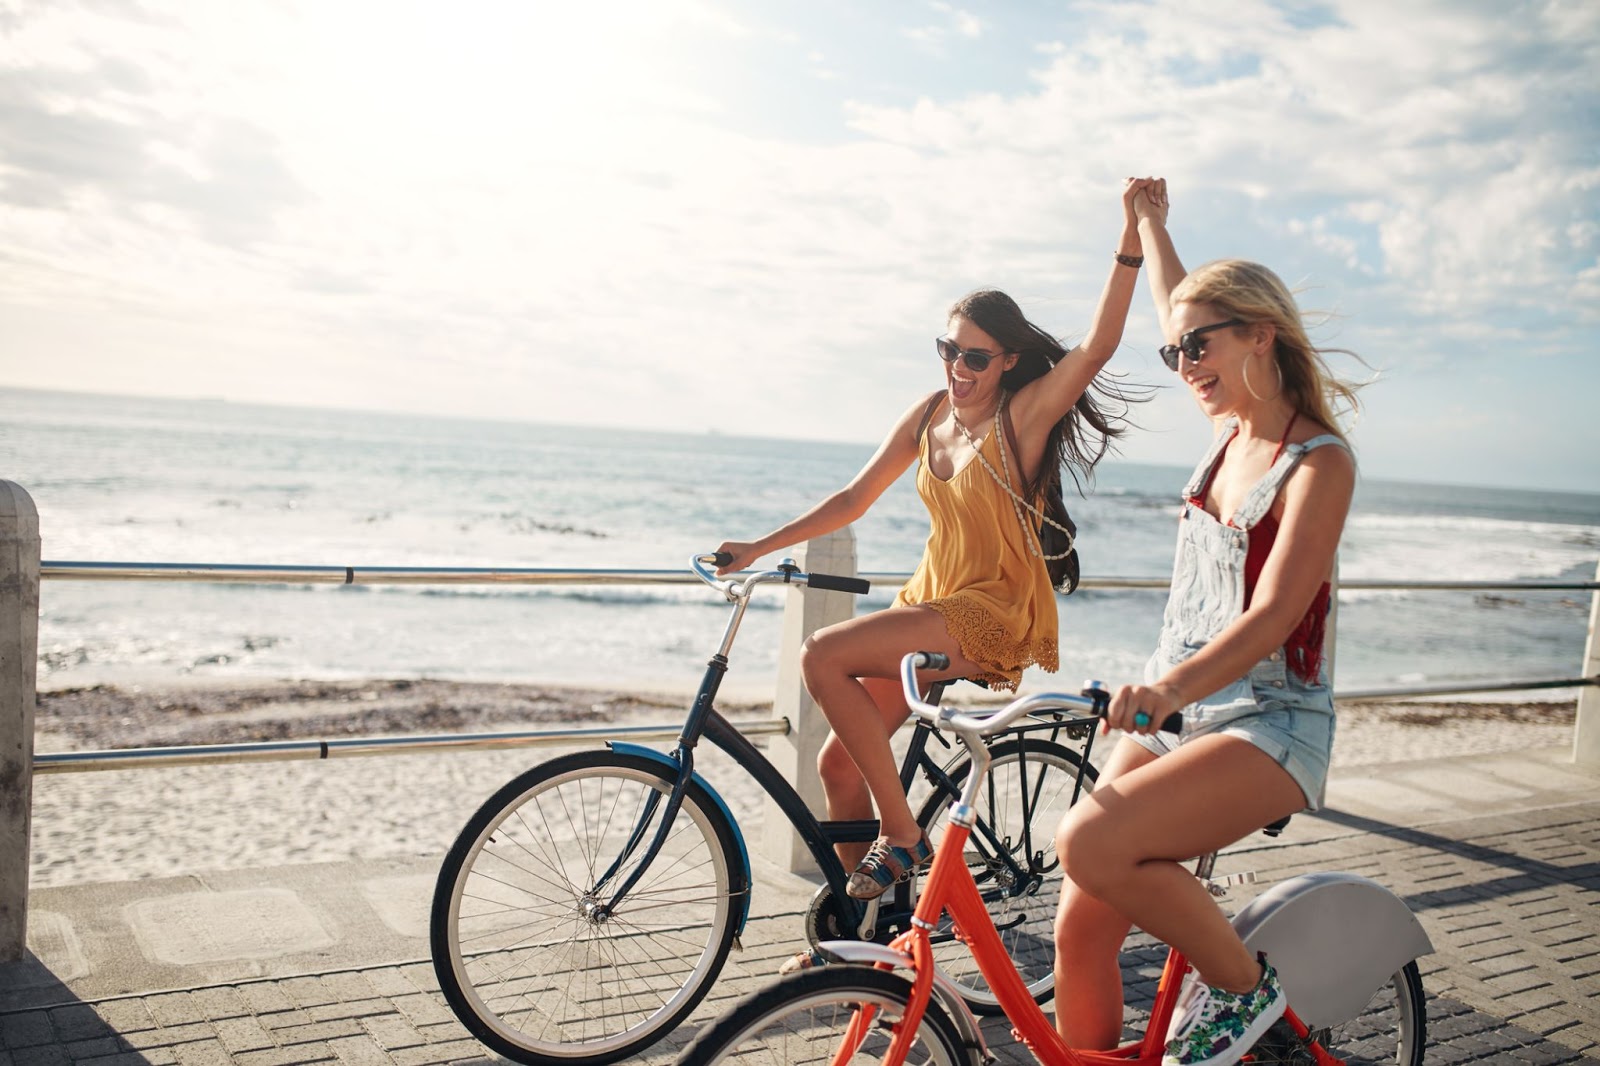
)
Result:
{"points": [[1077, 442]]}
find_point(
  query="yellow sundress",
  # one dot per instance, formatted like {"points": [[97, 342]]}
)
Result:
{"points": [[978, 572]]}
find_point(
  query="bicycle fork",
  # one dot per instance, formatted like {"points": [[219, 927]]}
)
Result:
{"points": [[598, 912]]}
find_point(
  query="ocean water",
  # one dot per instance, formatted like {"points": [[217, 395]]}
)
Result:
{"points": [[147, 480]]}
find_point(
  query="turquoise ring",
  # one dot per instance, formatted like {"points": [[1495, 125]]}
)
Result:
{"points": [[1140, 719]]}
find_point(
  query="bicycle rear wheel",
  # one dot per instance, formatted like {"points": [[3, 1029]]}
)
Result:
{"points": [[1029, 788], [525, 952], [803, 1019], [1392, 1028]]}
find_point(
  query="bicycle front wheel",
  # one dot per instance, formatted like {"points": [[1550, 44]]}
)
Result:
{"points": [[1012, 855], [1391, 1029], [527, 952], [805, 1018]]}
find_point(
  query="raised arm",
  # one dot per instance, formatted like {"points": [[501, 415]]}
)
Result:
{"points": [[894, 455], [1042, 403], [1161, 258]]}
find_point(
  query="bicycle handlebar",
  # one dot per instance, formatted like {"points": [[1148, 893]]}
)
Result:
{"points": [[787, 572], [856, 586], [1095, 700]]}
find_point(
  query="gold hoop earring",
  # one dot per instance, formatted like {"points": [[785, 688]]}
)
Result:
{"points": [[1252, 388]]}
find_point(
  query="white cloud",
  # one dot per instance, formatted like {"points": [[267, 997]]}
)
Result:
{"points": [[955, 23], [513, 215], [1455, 140]]}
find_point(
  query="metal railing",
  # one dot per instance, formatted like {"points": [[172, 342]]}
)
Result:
{"points": [[64, 762], [141, 758], [796, 729], [253, 573]]}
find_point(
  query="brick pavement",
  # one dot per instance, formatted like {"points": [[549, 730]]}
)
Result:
{"points": [[1509, 900]]}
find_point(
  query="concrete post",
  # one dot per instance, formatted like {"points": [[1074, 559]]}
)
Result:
{"points": [[795, 755], [19, 660], [1586, 733]]}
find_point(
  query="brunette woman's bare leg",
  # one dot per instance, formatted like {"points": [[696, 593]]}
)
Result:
{"points": [[1122, 844], [842, 784], [840, 661], [1089, 937]]}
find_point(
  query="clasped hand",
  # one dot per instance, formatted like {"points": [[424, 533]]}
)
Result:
{"points": [[1144, 198], [1141, 708]]}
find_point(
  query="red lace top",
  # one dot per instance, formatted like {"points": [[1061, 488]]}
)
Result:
{"points": [[1304, 644]]}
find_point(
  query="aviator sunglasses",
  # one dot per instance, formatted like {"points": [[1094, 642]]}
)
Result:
{"points": [[1192, 344], [977, 362]]}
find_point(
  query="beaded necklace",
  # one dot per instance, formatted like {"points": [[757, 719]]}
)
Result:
{"points": [[1017, 502]]}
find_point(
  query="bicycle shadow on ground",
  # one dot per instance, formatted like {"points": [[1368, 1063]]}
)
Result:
{"points": [[1529, 873]]}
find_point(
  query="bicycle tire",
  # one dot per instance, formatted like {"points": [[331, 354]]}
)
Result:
{"points": [[1046, 773], [801, 1019], [1391, 1029], [520, 956]]}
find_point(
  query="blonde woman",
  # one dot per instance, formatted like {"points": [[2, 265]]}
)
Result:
{"points": [[1240, 655]]}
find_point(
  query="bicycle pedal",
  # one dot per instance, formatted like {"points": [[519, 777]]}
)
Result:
{"points": [[869, 921]]}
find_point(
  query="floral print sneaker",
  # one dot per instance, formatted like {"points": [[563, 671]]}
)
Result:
{"points": [[1219, 1027]]}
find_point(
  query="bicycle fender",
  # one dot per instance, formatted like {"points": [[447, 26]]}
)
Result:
{"points": [[865, 953], [667, 761], [1334, 938]]}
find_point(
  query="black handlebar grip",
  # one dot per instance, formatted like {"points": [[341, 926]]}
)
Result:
{"points": [[936, 660], [835, 583], [721, 558], [1173, 724]]}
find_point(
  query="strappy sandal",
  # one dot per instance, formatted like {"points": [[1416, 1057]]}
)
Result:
{"points": [[809, 959], [885, 866]]}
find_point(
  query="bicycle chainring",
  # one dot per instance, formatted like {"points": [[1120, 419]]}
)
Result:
{"points": [[1279, 1044], [823, 920]]}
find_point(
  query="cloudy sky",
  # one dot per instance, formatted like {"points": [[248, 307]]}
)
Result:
{"points": [[691, 214]]}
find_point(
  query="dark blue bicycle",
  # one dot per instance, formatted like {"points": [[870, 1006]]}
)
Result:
{"points": [[589, 904]]}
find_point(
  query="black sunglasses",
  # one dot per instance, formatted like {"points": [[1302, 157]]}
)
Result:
{"points": [[1192, 343], [978, 362]]}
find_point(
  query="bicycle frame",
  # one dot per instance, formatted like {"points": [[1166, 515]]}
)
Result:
{"points": [[706, 722], [951, 889]]}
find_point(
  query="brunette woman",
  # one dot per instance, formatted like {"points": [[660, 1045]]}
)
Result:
{"points": [[990, 445]]}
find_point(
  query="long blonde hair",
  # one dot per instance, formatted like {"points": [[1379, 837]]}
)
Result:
{"points": [[1255, 295]]}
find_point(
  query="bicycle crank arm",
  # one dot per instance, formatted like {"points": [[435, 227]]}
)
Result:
{"points": [[868, 928]]}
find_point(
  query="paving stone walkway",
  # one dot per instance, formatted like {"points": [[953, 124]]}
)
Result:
{"points": [[1512, 903]]}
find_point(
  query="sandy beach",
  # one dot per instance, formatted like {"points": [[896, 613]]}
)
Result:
{"points": [[130, 824]]}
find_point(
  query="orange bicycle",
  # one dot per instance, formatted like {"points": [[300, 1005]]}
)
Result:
{"points": [[1345, 949]]}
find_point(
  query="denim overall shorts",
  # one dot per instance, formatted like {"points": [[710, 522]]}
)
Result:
{"points": [[1272, 707]]}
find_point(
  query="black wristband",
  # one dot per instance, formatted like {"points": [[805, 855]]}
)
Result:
{"points": [[1135, 261]]}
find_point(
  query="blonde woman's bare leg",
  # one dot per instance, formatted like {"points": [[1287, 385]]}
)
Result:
{"points": [[1089, 937], [1124, 842]]}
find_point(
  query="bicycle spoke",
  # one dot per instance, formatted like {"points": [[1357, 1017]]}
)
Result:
{"points": [[545, 963]]}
